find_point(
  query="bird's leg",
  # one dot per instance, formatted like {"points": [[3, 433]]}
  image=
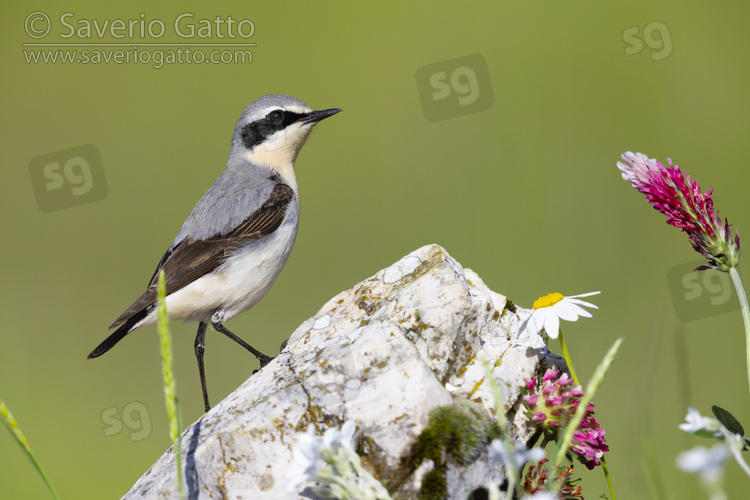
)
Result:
{"points": [[200, 348], [264, 360]]}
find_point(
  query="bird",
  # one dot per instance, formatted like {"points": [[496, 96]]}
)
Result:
{"points": [[239, 235]]}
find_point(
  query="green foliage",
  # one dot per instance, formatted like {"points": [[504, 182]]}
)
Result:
{"points": [[728, 420], [434, 485], [459, 430]]}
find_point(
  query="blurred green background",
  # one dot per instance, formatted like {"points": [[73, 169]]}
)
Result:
{"points": [[525, 192]]}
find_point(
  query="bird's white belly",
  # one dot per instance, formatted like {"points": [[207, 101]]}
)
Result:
{"points": [[236, 285], [247, 278]]}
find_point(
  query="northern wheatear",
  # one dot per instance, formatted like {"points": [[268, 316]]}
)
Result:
{"points": [[238, 237]]}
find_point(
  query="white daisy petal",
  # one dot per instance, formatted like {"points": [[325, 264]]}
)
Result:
{"points": [[523, 314], [531, 322], [579, 311], [583, 295], [552, 325], [566, 311], [539, 320], [580, 303]]}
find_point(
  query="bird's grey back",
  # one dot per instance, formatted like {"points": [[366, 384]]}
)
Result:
{"points": [[237, 193]]}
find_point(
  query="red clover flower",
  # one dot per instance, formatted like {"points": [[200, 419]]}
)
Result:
{"points": [[673, 193], [551, 403]]}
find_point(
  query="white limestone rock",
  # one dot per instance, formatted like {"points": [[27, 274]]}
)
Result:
{"points": [[383, 354]]}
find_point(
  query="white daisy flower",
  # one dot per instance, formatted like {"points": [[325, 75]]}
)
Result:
{"points": [[547, 312]]}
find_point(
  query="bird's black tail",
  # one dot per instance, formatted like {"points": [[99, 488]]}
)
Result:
{"points": [[117, 335]]}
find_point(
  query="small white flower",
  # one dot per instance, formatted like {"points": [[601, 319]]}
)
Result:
{"points": [[542, 495], [334, 439], [547, 312], [513, 456], [308, 455], [695, 422], [306, 460], [707, 463], [521, 455], [330, 460]]}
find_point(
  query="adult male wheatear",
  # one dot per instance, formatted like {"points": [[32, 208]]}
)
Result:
{"points": [[238, 237]]}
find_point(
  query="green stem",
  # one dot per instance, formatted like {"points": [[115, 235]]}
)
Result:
{"points": [[10, 422], [609, 479], [569, 362], [170, 390], [497, 394], [738, 457], [566, 355], [745, 315], [511, 473]]}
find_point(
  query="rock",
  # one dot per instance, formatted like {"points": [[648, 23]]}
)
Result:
{"points": [[382, 354]]}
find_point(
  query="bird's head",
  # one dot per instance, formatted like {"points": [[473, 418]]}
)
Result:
{"points": [[273, 129]]}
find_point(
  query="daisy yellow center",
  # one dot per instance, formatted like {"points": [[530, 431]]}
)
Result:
{"points": [[548, 300]]}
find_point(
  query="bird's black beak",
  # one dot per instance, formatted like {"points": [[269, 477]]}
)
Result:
{"points": [[316, 116]]}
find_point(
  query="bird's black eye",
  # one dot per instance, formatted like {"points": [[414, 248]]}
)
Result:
{"points": [[275, 117]]}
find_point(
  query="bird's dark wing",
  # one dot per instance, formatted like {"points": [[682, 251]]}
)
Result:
{"points": [[190, 259]]}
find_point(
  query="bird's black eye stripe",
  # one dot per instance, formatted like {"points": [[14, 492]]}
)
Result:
{"points": [[282, 119], [258, 131]]}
